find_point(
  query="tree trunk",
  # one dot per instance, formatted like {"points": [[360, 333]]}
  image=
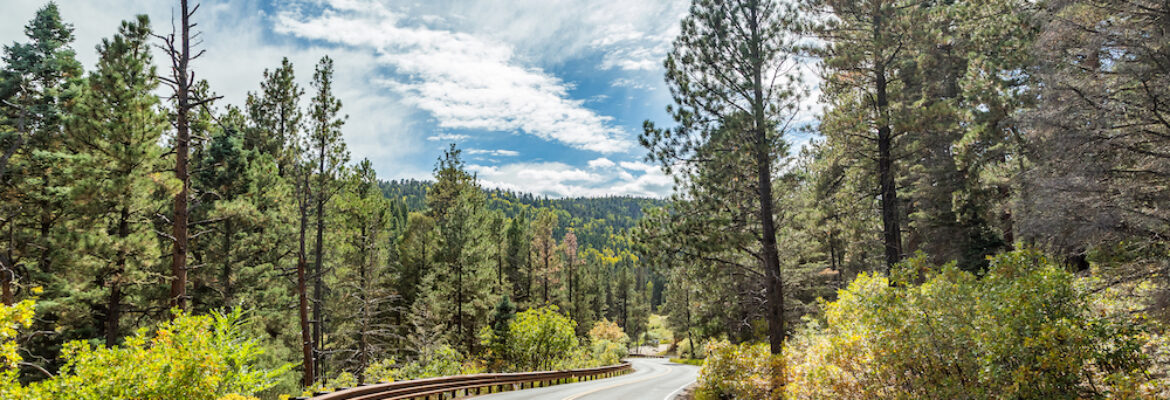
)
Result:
{"points": [[363, 341], [182, 145], [459, 305], [114, 301], [891, 229], [763, 155], [306, 339], [228, 290], [318, 257], [547, 265], [7, 273]]}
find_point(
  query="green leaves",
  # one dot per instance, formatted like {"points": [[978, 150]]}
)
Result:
{"points": [[190, 357], [542, 337], [1024, 330]]}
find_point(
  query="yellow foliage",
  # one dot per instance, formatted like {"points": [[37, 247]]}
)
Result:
{"points": [[608, 330]]}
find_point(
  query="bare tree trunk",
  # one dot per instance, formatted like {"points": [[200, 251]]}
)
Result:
{"points": [[306, 339], [180, 59]]}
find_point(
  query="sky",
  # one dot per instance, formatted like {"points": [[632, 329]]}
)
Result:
{"points": [[542, 96]]}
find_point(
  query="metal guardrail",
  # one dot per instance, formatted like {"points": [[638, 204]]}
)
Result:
{"points": [[463, 385]]}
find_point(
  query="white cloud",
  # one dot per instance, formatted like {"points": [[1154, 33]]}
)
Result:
{"points": [[601, 163], [557, 179], [630, 83], [464, 81], [497, 153], [629, 35], [639, 166], [447, 137]]}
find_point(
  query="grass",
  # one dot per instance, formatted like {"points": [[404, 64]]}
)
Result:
{"points": [[688, 361]]}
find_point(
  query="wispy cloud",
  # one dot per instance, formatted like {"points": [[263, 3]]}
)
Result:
{"points": [[630, 83], [447, 137], [464, 81], [497, 153]]}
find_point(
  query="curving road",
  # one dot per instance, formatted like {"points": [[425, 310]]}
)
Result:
{"points": [[652, 379]]}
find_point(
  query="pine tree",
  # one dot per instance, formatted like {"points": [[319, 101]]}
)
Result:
{"points": [[731, 73], [36, 83], [363, 300], [115, 129], [517, 258], [460, 282], [872, 37], [328, 154], [416, 252], [275, 114], [544, 256]]}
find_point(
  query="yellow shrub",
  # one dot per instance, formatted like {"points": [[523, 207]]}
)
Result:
{"points": [[745, 371]]}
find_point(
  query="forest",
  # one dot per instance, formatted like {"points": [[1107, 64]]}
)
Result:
{"points": [[981, 213]]}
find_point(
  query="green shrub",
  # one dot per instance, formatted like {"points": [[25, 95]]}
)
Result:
{"points": [[189, 357], [541, 338], [441, 360], [1023, 331], [688, 361]]}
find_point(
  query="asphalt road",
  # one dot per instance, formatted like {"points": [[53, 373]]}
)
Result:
{"points": [[652, 379]]}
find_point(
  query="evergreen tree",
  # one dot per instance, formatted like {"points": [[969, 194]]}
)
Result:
{"points": [[275, 115], [327, 154], [518, 259], [115, 129], [731, 73], [36, 83], [416, 252], [460, 283], [499, 339], [872, 37], [544, 257], [363, 300]]}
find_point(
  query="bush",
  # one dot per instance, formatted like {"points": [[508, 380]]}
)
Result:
{"points": [[688, 361], [745, 371], [541, 338], [12, 319], [189, 357], [610, 331], [438, 361], [1024, 330]]}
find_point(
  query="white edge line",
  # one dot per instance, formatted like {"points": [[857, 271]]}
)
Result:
{"points": [[671, 395]]}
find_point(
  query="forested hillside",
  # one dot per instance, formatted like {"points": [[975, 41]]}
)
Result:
{"points": [[981, 213], [593, 219]]}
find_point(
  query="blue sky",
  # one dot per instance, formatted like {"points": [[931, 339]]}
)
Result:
{"points": [[543, 96]]}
